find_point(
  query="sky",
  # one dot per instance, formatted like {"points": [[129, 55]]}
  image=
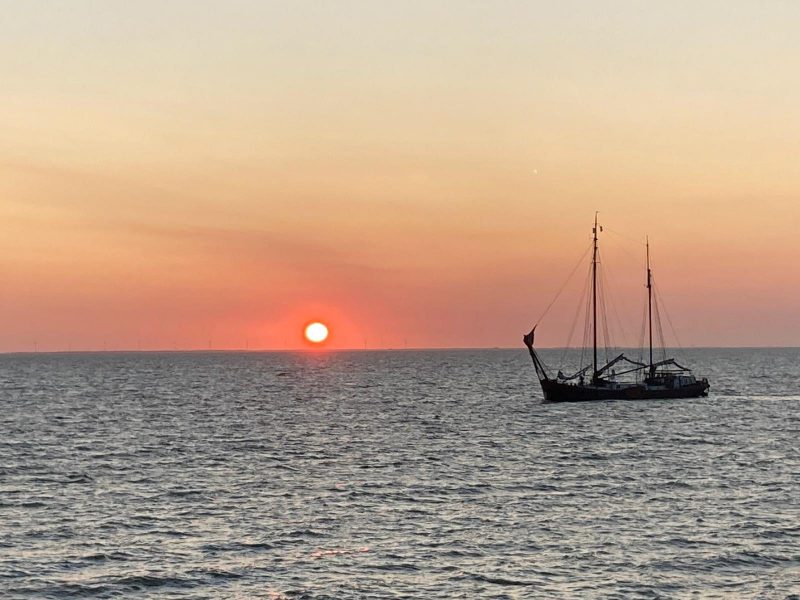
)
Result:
{"points": [[195, 174]]}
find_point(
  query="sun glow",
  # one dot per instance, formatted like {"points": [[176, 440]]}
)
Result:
{"points": [[316, 332]]}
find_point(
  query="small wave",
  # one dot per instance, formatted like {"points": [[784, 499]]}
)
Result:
{"points": [[257, 545], [396, 566], [184, 493], [338, 552], [592, 456], [687, 543], [218, 574], [106, 556], [174, 533], [733, 561], [287, 468], [31, 504], [238, 546], [139, 582], [500, 580], [306, 533]]}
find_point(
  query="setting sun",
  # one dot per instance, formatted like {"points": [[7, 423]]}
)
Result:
{"points": [[316, 333]]}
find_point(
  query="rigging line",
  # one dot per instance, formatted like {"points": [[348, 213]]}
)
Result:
{"points": [[642, 331], [564, 285], [612, 303], [623, 236], [658, 341], [609, 341], [603, 310], [583, 297], [584, 345], [636, 259], [660, 298], [660, 331], [585, 334], [586, 325], [604, 301]]}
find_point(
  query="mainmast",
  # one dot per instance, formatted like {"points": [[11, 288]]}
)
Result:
{"points": [[650, 305], [594, 300]]}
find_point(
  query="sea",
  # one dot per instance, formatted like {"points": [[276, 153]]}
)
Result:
{"points": [[392, 474]]}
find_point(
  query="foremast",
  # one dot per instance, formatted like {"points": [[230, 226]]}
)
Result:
{"points": [[594, 301], [650, 307]]}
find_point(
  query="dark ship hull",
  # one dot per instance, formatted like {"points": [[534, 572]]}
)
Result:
{"points": [[556, 391]]}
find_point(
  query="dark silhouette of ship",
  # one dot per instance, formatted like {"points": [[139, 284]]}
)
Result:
{"points": [[638, 380]]}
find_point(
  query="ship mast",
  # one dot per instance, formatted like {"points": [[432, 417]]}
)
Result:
{"points": [[650, 305], [594, 300]]}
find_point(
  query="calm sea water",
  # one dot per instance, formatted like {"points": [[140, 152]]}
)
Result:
{"points": [[391, 475]]}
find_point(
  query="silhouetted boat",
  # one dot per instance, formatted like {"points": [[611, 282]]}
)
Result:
{"points": [[652, 380]]}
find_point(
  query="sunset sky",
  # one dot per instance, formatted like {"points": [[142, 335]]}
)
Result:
{"points": [[190, 173]]}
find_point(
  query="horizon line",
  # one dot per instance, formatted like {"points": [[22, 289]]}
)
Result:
{"points": [[358, 349]]}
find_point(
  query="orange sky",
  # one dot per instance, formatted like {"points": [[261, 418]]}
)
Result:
{"points": [[413, 173]]}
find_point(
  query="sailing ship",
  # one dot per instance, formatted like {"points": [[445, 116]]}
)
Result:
{"points": [[638, 380]]}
